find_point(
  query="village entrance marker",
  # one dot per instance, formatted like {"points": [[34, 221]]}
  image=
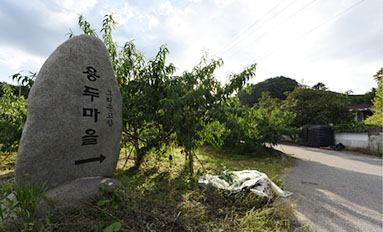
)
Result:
{"points": [[71, 139]]}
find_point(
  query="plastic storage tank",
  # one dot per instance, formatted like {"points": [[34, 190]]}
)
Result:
{"points": [[317, 136]]}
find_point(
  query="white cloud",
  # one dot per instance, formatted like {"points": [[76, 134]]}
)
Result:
{"points": [[66, 11], [207, 26], [18, 60], [166, 8], [122, 15], [299, 39], [74, 6], [153, 22], [224, 2]]}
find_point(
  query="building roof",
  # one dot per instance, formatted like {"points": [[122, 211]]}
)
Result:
{"points": [[360, 107]]}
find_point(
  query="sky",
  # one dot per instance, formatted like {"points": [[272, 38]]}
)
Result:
{"points": [[338, 43]]}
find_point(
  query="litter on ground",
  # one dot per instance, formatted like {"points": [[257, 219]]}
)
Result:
{"points": [[246, 180]]}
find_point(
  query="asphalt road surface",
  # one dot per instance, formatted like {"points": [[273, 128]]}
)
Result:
{"points": [[335, 191]]}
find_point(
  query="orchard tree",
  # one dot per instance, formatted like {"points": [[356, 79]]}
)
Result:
{"points": [[158, 107], [13, 113], [24, 82], [13, 110], [377, 118], [143, 83], [200, 100], [317, 106], [250, 128]]}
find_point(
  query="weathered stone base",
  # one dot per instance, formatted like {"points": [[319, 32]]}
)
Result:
{"points": [[69, 195]]}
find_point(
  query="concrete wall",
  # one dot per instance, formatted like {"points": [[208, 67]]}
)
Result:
{"points": [[352, 139], [371, 139], [375, 141]]}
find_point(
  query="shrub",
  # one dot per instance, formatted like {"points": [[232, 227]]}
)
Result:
{"points": [[13, 113]]}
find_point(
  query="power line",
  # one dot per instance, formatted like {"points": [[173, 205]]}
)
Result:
{"points": [[239, 36], [278, 25], [255, 22], [286, 20], [313, 29]]}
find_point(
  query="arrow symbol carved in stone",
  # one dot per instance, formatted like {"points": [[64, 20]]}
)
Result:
{"points": [[100, 158]]}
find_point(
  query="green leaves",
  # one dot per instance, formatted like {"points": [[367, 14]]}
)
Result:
{"points": [[85, 26], [13, 113], [377, 118], [22, 205], [160, 108], [317, 106], [277, 87], [239, 126], [103, 202], [113, 227], [27, 198]]}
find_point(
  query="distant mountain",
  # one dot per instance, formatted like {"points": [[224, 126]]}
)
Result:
{"points": [[276, 86]]}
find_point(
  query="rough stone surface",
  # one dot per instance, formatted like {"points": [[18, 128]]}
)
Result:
{"points": [[65, 197], [74, 117], [68, 196]]}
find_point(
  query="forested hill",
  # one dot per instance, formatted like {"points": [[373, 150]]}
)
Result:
{"points": [[276, 86], [279, 87]]}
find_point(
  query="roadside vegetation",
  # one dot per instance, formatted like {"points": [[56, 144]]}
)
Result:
{"points": [[177, 128], [163, 196], [377, 118]]}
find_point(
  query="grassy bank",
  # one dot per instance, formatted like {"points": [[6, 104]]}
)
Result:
{"points": [[162, 196]]}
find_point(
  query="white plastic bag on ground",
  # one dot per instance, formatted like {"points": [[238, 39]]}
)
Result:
{"points": [[237, 181]]}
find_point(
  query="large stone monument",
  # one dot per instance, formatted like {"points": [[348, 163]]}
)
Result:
{"points": [[71, 139], [73, 127]]}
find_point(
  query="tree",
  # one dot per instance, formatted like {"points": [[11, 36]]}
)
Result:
{"points": [[13, 113], [377, 118], [143, 83], [250, 128], [277, 87], [319, 86], [16, 89], [24, 81], [158, 107], [354, 99], [201, 100], [316, 106]]}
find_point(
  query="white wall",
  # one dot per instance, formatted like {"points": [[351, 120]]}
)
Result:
{"points": [[352, 139], [372, 141]]}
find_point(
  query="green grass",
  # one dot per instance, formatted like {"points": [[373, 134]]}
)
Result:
{"points": [[162, 196], [7, 164]]}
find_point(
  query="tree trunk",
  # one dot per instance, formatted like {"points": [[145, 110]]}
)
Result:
{"points": [[190, 154]]}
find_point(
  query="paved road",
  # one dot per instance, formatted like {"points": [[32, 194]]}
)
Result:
{"points": [[336, 191]]}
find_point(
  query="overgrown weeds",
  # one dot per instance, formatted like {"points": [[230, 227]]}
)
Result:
{"points": [[162, 196], [18, 208]]}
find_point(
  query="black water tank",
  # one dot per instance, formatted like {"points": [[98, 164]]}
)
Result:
{"points": [[317, 136]]}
